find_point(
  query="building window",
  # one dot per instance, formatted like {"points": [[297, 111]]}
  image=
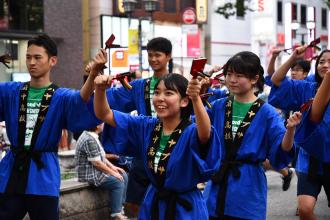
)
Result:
{"points": [[240, 10], [139, 4], [294, 12], [185, 4], [279, 12], [303, 15], [324, 22], [169, 6], [26, 15]]}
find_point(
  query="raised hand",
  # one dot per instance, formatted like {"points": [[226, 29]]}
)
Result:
{"points": [[88, 67], [193, 90], [102, 82], [97, 65], [276, 52], [215, 69], [5, 59], [293, 120], [299, 52]]}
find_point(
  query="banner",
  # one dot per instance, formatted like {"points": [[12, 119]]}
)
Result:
{"points": [[133, 42]]}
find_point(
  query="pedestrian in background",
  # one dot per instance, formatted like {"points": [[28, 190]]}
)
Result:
{"points": [[93, 167]]}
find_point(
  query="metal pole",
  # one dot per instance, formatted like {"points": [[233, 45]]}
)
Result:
{"points": [[302, 39], [140, 45]]}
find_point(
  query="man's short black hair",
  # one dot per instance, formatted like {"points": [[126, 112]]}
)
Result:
{"points": [[46, 42], [304, 64], [160, 44]]}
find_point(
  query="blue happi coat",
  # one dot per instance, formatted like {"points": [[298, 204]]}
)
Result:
{"points": [[185, 168], [246, 196], [67, 110], [289, 96], [218, 94], [125, 100], [315, 138]]}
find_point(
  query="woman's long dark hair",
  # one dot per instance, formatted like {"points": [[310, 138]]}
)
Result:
{"points": [[178, 83], [248, 64], [318, 78]]}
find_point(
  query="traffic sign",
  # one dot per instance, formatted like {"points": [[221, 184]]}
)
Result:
{"points": [[189, 16]]}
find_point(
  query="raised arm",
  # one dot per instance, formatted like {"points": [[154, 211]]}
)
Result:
{"points": [[202, 119], [87, 90], [271, 65], [321, 100], [280, 74], [288, 139], [101, 106]]}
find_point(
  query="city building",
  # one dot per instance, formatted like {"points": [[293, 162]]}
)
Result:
{"points": [[76, 26], [62, 20], [269, 24]]}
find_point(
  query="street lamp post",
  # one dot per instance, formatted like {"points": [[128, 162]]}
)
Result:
{"points": [[150, 6], [310, 25]]}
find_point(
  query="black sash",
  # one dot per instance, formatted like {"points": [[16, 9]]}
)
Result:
{"points": [[170, 197], [230, 165], [147, 96], [22, 158]]}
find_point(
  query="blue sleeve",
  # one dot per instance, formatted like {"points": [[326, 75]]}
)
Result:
{"points": [[291, 94], [9, 94], [275, 132], [130, 136], [208, 163], [78, 115], [122, 99], [315, 138], [218, 94], [310, 78], [268, 81]]}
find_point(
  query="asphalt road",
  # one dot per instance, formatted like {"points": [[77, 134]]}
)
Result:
{"points": [[282, 205]]}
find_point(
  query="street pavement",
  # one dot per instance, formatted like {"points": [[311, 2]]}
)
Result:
{"points": [[282, 205]]}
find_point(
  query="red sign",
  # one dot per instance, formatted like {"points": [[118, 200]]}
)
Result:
{"points": [[193, 45], [4, 23], [280, 39], [189, 16], [261, 5]]}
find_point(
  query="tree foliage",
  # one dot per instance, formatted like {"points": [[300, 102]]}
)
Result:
{"points": [[241, 7]]}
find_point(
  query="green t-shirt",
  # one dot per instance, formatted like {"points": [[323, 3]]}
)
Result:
{"points": [[33, 106], [163, 141], [239, 111], [153, 82]]}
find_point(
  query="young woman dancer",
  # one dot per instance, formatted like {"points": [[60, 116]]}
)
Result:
{"points": [[250, 131], [177, 154], [291, 95]]}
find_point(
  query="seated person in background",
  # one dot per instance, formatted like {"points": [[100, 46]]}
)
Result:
{"points": [[93, 167]]}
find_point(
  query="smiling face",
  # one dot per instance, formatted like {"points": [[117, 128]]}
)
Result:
{"points": [[323, 64], [168, 103], [38, 61], [158, 61]]}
